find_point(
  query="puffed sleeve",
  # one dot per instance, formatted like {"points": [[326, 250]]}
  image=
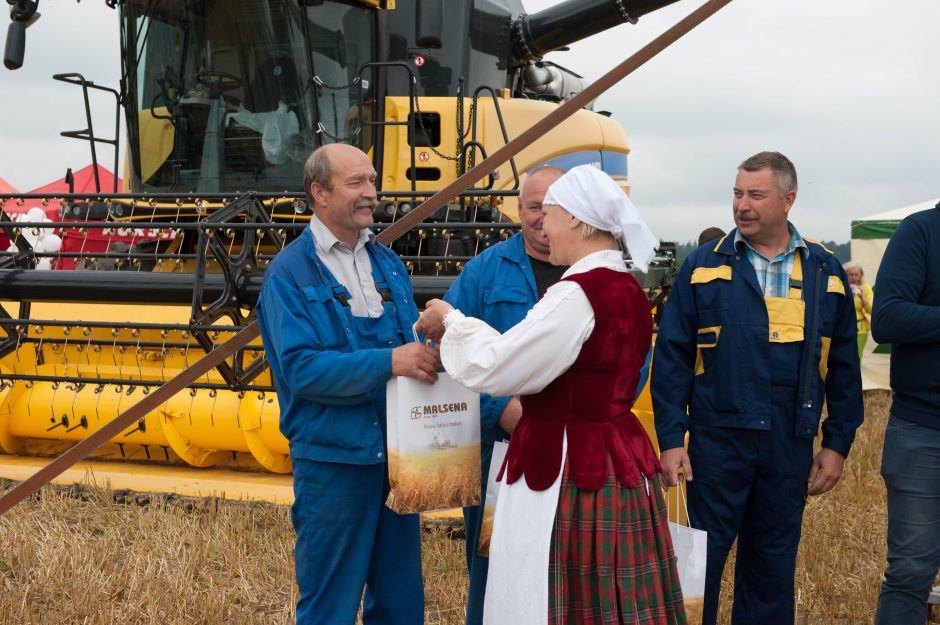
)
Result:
{"points": [[526, 358]]}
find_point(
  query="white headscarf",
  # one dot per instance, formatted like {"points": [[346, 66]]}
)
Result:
{"points": [[593, 197]]}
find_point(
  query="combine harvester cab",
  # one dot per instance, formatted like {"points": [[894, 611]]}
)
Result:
{"points": [[223, 101]]}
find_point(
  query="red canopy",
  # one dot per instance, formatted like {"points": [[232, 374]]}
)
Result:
{"points": [[83, 182]]}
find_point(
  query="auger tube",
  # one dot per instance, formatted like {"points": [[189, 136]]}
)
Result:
{"points": [[537, 34]]}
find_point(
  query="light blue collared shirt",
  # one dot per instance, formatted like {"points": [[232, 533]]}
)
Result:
{"points": [[773, 274]]}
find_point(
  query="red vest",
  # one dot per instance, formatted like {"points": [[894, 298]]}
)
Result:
{"points": [[591, 401]]}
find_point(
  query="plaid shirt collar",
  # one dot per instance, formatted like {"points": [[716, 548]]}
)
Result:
{"points": [[773, 274]]}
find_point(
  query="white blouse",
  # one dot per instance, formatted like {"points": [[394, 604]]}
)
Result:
{"points": [[532, 353]]}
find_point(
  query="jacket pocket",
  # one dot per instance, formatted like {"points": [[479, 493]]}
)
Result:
{"points": [[505, 305], [786, 319], [707, 339], [505, 294], [711, 286], [319, 301]]}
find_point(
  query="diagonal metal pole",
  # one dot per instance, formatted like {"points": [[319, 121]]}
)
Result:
{"points": [[162, 394], [546, 124]]}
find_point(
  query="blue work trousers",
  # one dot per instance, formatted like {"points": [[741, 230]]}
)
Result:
{"points": [[751, 484], [346, 540], [910, 466]]}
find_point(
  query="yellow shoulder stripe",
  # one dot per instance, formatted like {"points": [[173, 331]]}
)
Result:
{"points": [[815, 242]]}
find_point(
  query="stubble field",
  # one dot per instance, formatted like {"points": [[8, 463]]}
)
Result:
{"points": [[87, 556]]}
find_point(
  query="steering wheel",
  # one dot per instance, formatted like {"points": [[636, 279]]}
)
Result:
{"points": [[218, 82]]}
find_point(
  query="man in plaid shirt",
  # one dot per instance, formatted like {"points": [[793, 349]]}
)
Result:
{"points": [[757, 334]]}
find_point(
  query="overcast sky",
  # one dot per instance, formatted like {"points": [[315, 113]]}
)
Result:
{"points": [[848, 89]]}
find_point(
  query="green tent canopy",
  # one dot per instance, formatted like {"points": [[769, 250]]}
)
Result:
{"points": [[870, 235]]}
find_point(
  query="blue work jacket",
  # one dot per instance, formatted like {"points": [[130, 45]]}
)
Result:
{"points": [[712, 360], [326, 381], [497, 286]]}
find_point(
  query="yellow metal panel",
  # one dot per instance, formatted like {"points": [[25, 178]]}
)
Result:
{"points": [[156, 140], [645, 417], [584, 131], [231, 485], [235, 485]]}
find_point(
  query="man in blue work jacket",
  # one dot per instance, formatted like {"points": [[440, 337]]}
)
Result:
{"points": [[500, 286], [335, 313], [757, 333]]}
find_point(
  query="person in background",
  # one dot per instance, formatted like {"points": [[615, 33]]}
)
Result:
{"points": [[580, 534], [906, 314], [336, 313], [757, 334], [499, 286], [864, 297], [710, 234]]}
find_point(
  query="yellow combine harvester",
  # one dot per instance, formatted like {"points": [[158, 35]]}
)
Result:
{"points": [[223, 101]]}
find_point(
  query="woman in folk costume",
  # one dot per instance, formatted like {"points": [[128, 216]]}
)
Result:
{"points": [[580, 534]]}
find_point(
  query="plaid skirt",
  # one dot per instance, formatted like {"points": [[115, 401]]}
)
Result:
{"points": [[611, 558]]}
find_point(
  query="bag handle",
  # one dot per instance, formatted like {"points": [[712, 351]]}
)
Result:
{"points": [[680, 492]]}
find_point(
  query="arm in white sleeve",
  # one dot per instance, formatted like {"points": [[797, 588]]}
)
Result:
{"points": [[529, 355]]}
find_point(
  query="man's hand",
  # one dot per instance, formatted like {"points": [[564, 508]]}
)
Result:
{"points": [[510, 415], [672, 460], [825, 472], [416, 360], [431, 322]]}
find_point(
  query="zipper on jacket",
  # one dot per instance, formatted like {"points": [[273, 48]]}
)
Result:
{"points": [[811, 345]]}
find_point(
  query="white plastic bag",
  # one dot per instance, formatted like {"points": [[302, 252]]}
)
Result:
{"points": [[492, 495], [691, 548], [433, 445]]}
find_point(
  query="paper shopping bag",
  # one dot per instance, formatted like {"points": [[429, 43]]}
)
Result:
{"points": [[691, 548], [433, 445], [492, 493]]}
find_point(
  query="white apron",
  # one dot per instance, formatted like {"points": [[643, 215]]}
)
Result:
{"points": [[517, 582]]}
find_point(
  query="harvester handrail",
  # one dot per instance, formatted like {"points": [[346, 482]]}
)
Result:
{"points": [[397, 229]]}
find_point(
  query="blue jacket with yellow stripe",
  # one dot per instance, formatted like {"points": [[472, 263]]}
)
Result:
{"points": [[712, 359]]}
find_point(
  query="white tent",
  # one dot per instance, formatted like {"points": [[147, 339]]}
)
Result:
{"points": [[870, 236], [869, 239]]}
